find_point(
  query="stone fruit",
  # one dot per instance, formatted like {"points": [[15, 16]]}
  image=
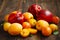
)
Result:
{"points": [[55, 19], [25, 33], [26, 25], [41, 23], [15, 29], [16, 18], [46, 31], [32, 22], [27, 16], [44, 15], [53, 27], [34, 9], [32, 31], [6, 17], [6, 26]]}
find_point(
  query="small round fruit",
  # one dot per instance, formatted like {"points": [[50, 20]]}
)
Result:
{"points": [[32, 22], [15, 29], [46, 31], [27, 16], [53, 27], [25, 33], [26, 25], [55, 19], [6, 17], [6, 26], [41, 23], [32, 31]]}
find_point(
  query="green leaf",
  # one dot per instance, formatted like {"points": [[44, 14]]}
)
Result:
{"points": [[56, 32]]}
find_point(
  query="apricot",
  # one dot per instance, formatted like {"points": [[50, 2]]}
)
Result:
{"points": [[32, 31], [46, 31], [32, 22], [6, 26], [15, 29], [6, 17], [53, 27], [26, 25], [41, 23], [27, 16], [25, 33]]}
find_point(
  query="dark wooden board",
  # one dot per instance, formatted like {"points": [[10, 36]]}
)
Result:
{"points": [[7, 6]]}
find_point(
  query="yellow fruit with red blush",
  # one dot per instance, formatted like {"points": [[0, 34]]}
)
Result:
{"points": [[15, 29], [27, 16], [40, 24], [25, 33], [32, 22]]}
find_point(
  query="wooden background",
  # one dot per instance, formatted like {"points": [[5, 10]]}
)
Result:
{"points": [[7, 6]]}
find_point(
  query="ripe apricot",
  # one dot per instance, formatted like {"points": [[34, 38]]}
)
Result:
{"points": [[27, 16], [15, 29], [32, 22], [26, 25], [6, 17], [25, 33], [46, 31], [41, 23], [53, 27], [32, 31], [6, 26]]}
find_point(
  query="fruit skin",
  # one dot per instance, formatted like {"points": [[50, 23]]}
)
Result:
{"points": [[25, 33], [32, 22], [6, 17], [55, 19], [15, 29], [27, 16], [16, 17], [44, 15], [34, 9], [41, 23], [6, 26], [26, 25], [46, 31], [53, 27], [32, 31]]}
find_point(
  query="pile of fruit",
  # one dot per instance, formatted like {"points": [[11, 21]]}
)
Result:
{"points": [[34, 20]]}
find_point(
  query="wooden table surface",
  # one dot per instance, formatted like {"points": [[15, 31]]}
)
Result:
{"points": [[7, 6]]}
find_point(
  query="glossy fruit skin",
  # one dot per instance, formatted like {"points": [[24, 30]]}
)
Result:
{"points": [[6, 17], [34, 9], [6, 26], [55, 19], [16, 17], [25, 33], [32, 31], [15, 29], [40, 24], [46, 31], [53, 27], [26, 25], [27, 16], [32, 22], [44, 15]]}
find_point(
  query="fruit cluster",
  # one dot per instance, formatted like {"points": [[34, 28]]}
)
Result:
{"points": [[30, 22]]}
